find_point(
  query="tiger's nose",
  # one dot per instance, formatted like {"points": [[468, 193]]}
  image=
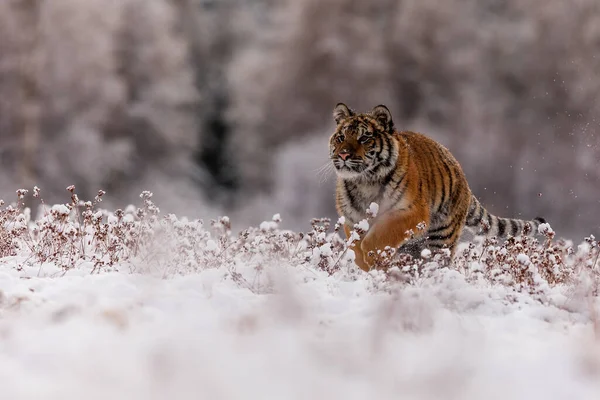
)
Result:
{"points": [[344, 155]]}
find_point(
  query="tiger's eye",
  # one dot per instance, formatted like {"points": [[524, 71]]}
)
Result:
{"points": [[365, 139], [340, 138]]}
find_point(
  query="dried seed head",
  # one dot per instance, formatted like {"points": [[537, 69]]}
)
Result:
{"points": [[527, 229], [485, 226], [21, 193]]}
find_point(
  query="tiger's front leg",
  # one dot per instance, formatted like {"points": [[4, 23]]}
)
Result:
{"points": [[390, 229], [359, 256]]}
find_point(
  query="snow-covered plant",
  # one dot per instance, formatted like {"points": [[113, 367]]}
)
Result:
{"points": [[80, 234]]}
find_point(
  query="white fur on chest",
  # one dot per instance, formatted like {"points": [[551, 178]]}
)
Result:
{"points": [[363, 195]]}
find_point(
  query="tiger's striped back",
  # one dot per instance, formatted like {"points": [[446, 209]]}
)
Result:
{"points": [[413, 179]]}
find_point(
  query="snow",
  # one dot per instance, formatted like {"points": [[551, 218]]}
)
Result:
{"points": [[523, 259], [326, 251], [128, 336], [426, 253], [211, 246], [373, 209], [269, 225], [273, 329], [60, 209], [354, 236], [363, 225], [545, 229]]}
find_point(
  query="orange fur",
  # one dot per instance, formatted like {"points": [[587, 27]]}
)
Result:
{"points": [[412, 178]]}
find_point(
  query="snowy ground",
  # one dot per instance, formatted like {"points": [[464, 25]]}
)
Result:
{"points": [[200, 336], [285, 330]]}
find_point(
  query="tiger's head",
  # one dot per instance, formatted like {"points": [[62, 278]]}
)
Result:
{"points": [[362, 145]]}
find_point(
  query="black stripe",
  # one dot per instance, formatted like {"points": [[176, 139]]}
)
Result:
{"points": [[387, 179], [441, 237], [438, 156], [442, 227], [477, 215], [351, 196], [386, 142], [395, 184], [430, 174], [388, 185], [450, 176], [455, 186], [436, 245], [514, 228], [435, 162], [501, 226], [480, 214], [442, 187], [472, 208], [382, 162], [445, 195], [400, 193], [384, 145], [490, 218]]}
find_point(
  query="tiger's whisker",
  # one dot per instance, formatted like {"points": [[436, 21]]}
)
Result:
{"points": [[324, 171]]}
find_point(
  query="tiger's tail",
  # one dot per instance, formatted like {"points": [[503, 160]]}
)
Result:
{"points": [[491, 225]]}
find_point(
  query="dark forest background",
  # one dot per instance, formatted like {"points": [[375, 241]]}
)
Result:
{"points": [[224, 106]]}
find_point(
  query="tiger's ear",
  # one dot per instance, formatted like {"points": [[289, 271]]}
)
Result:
{"points": [[341, 112], [383, 115]]}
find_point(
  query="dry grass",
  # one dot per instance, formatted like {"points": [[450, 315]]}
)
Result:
{"points": [[79, 234]]}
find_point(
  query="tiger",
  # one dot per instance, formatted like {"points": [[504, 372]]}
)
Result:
{"points": [[414, 181]]}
